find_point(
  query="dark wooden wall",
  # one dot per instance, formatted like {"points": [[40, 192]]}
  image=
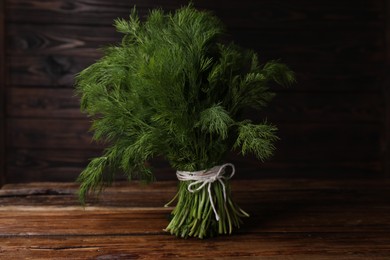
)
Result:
{"points": [[386, 92], [333, 122], [2, 96]]}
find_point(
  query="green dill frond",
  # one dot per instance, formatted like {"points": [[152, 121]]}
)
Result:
{"points": [[122, 26], [130, 26], [254, 63], [256, 139], [253, 91], [140, 149], [215, 120], [279, 72], [92, 178]]}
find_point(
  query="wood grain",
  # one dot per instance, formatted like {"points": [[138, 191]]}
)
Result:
{"points": [[49, 133], [325, 45], [25, 39], [324, 106], [273, 246], [49, 70], [268, 13], [43, 103], [290, 219], [47, 164]]}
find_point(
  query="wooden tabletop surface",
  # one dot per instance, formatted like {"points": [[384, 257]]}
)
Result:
{"points": [[290, 219]]}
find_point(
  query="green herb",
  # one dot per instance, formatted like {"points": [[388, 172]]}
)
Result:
{"points": [[172, 88]]}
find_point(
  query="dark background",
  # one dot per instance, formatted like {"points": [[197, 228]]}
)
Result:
{"points": [[333, 123]]}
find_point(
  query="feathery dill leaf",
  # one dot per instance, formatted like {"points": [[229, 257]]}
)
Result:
{"points": [[256, 139], [215, 120]]}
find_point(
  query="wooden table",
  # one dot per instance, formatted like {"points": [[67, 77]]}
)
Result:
{"points": [[290, 219]]}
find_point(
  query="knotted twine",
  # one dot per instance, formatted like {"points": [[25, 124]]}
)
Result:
{"points": [[207, 177]]}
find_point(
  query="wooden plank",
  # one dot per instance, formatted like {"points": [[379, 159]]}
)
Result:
{"points": [[276, 246], [75, 12], [323, 45], [32, 165], [303, 148], [326, 185], [43, 56], [320, 192], [309, 78], [48, 39], [50, 165], [268, 194], [26, 165], [314, 141], [273, 14], [282, 14], [324, 106], [308, 141], [49, 133], [287, 106], [311, 73], [285, 167], [48, 70], [43, 103], [60, 70], [68, 221]]}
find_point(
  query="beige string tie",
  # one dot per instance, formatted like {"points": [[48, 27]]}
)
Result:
{"points": [[207, 177]]}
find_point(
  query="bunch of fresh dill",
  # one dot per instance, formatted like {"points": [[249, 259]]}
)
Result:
{"points": [[172, 88]]}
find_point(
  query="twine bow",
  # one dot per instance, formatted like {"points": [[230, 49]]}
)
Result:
{"points": [[207, 177]]}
